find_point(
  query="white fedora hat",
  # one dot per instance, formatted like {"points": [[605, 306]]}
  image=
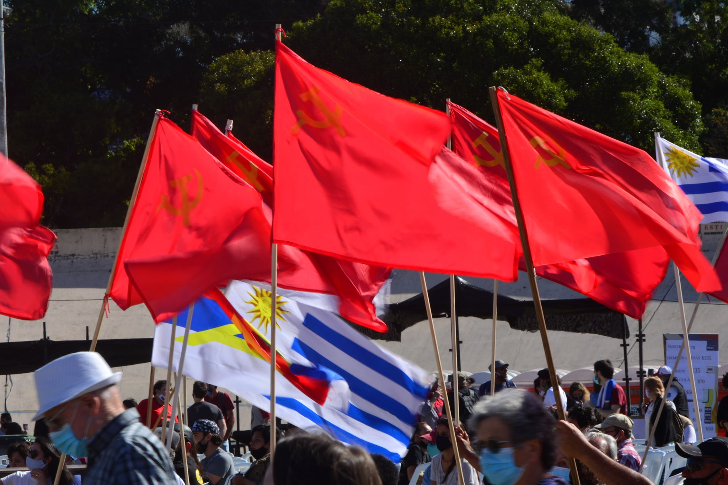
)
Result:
{"points": [[71, 376]]}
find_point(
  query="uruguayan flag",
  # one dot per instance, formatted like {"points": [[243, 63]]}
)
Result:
{"points": [[704, 180]]}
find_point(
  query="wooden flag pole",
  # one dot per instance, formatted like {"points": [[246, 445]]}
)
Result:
{"points": [[180, 372], [134, 194], [495, 319], [453, 439], [530, 270], [454, 340], [182, 441], [149, 399], [167, 394], [186, 423]]}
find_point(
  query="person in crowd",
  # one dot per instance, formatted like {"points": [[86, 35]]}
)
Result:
{"points": [[689, 434], [584, 416], [86, 417], [549, 399], [466, 398], [130, 403], [5, 419], [204, 410], [386, 468], [194, 467], [594, 394], [707, 462], [14, 429], [516, 440], [443, 467], [223, 401], [722, 416], [676, 393], [159, 396], [416, 453], [16, 454], [217, 464], [431, 409], [574, 444], [537, 389], [501, 379], [578, 393], [260, 451], [607, 446], [665, 431], [619, 427], [43, 461], [611, 398], [258, 417], [315, 459]]}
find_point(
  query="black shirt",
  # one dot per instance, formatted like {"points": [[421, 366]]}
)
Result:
{"points": [[203, 410], [414, 457]]}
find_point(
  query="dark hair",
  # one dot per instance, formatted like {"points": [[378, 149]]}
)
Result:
{"points": [[159, 384], [49, 449], [13, 428], [725, 380], [536, 385], [178, 456], [21, 447], [199, 389], [312, 459], [585, 415], [388, 473], [264, 430], [216, 439], [130, 404], [605, 367], [6, 417]]}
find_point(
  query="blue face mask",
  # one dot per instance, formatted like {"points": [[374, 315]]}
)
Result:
{"points": [[561, 472], [500, 468], [432, 450], [67, 442], [596, 381], [34, 464]]}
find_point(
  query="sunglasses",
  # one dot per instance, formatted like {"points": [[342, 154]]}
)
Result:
{"points": [[33, 454], [696, 464], [494, 446]]}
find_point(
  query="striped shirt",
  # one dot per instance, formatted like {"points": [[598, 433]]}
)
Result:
{"points": [[628, 456]]}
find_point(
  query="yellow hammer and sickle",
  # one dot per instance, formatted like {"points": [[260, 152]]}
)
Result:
{"points": [[331, 118], [250, 174], [482, 141], [554, 159], [187, 204]]}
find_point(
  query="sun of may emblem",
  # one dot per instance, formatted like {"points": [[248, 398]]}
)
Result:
{"points": [[680, 163], [261, 307]]}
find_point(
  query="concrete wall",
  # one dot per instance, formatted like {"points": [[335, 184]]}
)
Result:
{"points": [[82, 263]]}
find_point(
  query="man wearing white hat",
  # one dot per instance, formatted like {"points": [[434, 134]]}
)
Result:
{"points": [[80, 403]]}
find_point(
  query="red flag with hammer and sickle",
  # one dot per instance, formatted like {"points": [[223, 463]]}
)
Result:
{"points": [[585, 194], [364, 177], [26, 278], [190, 228], [624, 282], [354, 284]]}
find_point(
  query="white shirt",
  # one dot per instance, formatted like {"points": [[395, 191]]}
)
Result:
{"points": [[549, 399], [24, 478], [438, 475]]}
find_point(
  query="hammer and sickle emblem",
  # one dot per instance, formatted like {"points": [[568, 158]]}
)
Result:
{"points": [[553, 159], [250, 174], [187, 204], [482, 141], [331, 118]]}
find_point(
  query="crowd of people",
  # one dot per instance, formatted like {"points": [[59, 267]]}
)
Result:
{"points": [[512, 437]]}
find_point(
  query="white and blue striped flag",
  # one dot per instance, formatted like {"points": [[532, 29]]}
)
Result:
{"points": [[384, 394], [704, 180]]}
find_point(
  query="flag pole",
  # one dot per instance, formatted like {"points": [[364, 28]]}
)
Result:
{"points": [[180, 371], [495, 319], [453, 319], [167, 395], [149, 399], [132, 201], [426, 295], [530, 269], [182, 441], [228, 127]]}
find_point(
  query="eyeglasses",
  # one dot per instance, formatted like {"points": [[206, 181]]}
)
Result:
{"points": [[494, 446], [51, 422], [696, 464]]}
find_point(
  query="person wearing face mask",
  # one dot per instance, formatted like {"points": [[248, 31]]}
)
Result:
{"points": [[611, 398], [260, 451], [516, 440], [86, 418], [707, 462], [416, 453], [578, 394], [43, 460], [665, 430], [443, 469], [217, 464], [159, 395], [501, 379]]}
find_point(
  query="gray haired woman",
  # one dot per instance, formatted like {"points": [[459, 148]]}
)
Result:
{"points": [[515, 438]]}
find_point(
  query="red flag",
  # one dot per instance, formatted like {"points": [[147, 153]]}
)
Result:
{"points": [[622, 281], [355, 179], [584, 194], [21, 198], [190, 229], [355, 284], [721, 268], [26, 278]]}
